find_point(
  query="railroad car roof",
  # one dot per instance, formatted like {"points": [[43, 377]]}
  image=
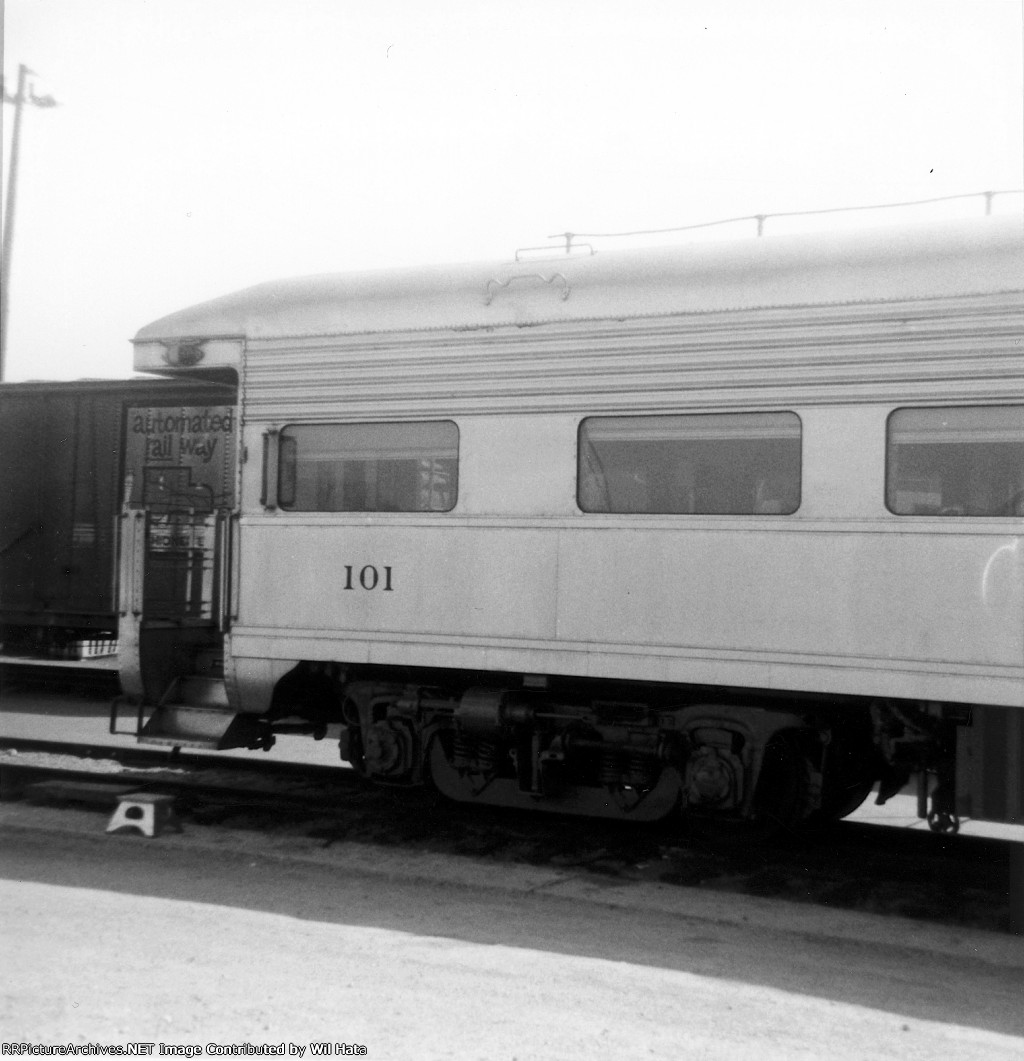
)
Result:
{"points": [[983, 256], [136, 388]]}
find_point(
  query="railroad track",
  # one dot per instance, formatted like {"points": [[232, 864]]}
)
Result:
{"points": [[911, 873]]}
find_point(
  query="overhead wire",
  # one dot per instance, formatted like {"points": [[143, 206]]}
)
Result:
{"points": [[569, 237]]}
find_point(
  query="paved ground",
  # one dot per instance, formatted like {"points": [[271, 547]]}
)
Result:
{"points": [[218, 936]]}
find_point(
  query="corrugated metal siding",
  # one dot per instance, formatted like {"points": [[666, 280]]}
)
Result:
{"points": [[909, 351]]}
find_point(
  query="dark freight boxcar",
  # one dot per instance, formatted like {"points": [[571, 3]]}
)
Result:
{"points": [[68, 454]]}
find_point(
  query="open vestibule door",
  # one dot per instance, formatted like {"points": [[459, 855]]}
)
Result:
{"points": [[176, 538]]}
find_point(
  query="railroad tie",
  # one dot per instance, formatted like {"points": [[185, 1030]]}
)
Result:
{"points": [[148, 812]]}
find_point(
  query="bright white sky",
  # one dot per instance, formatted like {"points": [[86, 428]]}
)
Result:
{"points": [[205, 145]]}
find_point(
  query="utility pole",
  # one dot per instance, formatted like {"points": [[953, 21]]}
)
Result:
{"points": [[24, 95]]}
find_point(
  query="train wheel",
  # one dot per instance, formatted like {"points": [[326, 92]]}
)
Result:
{"points": [[783, 796], [843, 802], [781, 801], [850, 771]]}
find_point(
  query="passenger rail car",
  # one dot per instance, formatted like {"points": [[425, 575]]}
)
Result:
{"points": [[735, 530], [66, 450]]}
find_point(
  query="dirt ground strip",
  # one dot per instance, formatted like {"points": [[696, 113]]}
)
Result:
{"points": [[252, 843], [954, 881]]}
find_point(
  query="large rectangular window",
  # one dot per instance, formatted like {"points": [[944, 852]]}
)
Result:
{"points": [[721, 464], [966, 461], [370, 467]]}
